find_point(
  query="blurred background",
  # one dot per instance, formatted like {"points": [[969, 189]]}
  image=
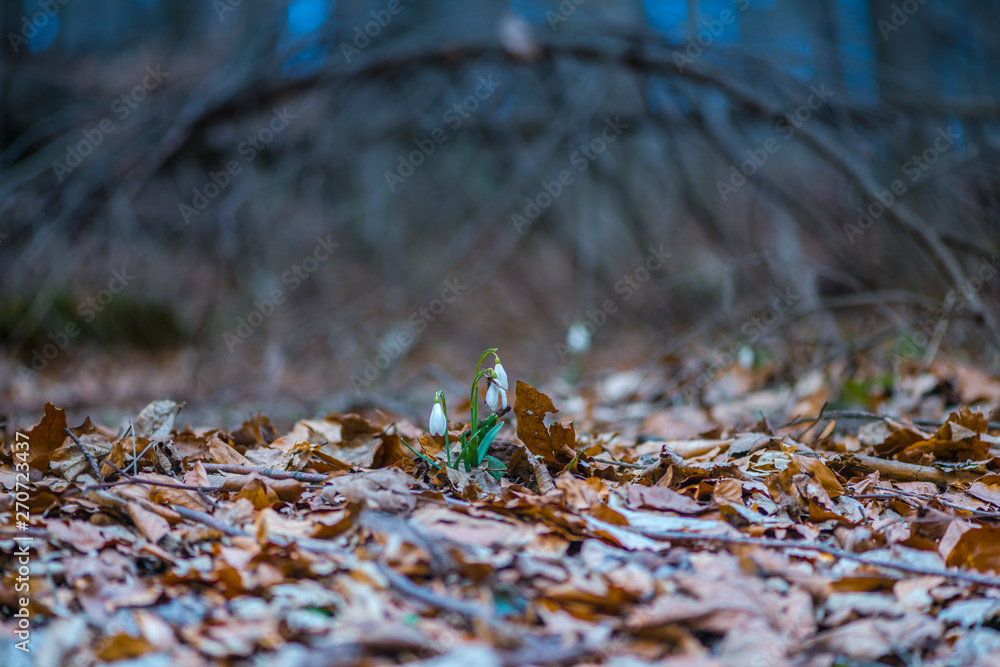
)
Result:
{"points": [[297, 206]]}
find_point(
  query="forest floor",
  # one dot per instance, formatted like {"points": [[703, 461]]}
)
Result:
{"points": [[604, 523]]}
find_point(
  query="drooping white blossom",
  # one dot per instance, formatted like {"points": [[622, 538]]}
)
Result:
{"points": [[495, 396], [500, 375], [438, 423]]}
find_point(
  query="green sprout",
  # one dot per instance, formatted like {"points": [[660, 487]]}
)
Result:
{"points": [[477, 440]]}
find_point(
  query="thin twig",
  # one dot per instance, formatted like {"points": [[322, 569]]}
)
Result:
{"points": [[620, 464], [135, 459], [211, 504], [315, 478], [407, 587], [210, 521], [86, 453], [871, 416], [814, 422], [959, 575]]}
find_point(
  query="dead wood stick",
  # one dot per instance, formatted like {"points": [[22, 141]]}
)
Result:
{"points": [[871, 416], [428, 597], [959, 575], [210, 521], [312, 477], [620, 464], [130, 479], [135, 459], [86, 452], [907, 472]]}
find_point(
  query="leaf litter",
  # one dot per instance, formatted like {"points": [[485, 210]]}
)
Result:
{"points": [[643, 533]]}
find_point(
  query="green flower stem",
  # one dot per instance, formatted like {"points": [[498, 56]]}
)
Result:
{"points": [[447, 446]]}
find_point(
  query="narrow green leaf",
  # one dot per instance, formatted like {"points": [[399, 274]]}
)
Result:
{"points": [[485, 444], [422, 456]]}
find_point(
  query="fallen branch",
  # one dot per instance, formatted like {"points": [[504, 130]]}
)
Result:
{"points": [[90, 458], [870, 416], [907, 472], [958, 575], [428, 597], [210, 521], [620, 464], [312, 477]]}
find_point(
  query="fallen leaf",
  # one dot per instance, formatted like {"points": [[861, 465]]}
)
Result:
{"points": [[552, 441]]}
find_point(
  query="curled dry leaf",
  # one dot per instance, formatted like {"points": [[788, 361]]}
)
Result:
{"points": [[957, 440]]}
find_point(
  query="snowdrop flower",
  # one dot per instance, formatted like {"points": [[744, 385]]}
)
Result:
{"points": [[438, 423], [578, 338], [500, 375], [496, 396]]}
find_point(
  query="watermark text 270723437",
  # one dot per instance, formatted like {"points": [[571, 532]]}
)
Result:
{"points": [[22, 552]]}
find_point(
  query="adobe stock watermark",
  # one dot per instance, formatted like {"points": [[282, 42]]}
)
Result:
{"points": [[581, 159], [363, 38], [565, 9], [248, 150], [752, 329], [454, 117], [578, 338], [223, 7], [121, 107], [914, 169], [711, 30], [294, 278], [22, 521], [786, 126], [401, 340], [49, 9], [88, 310], [900, 14], [955, 300]]}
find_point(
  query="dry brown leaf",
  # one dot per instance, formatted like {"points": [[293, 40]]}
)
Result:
{"points": [[660, 498], [987, 489], [256, 432], [552, 441], [957, 440], [156, 421], [386, 489], [46, 436], [223, 453], [152, 525], [978, 549]]}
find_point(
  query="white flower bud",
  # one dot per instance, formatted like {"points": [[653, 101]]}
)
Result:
{"points": [[438, 423]]}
